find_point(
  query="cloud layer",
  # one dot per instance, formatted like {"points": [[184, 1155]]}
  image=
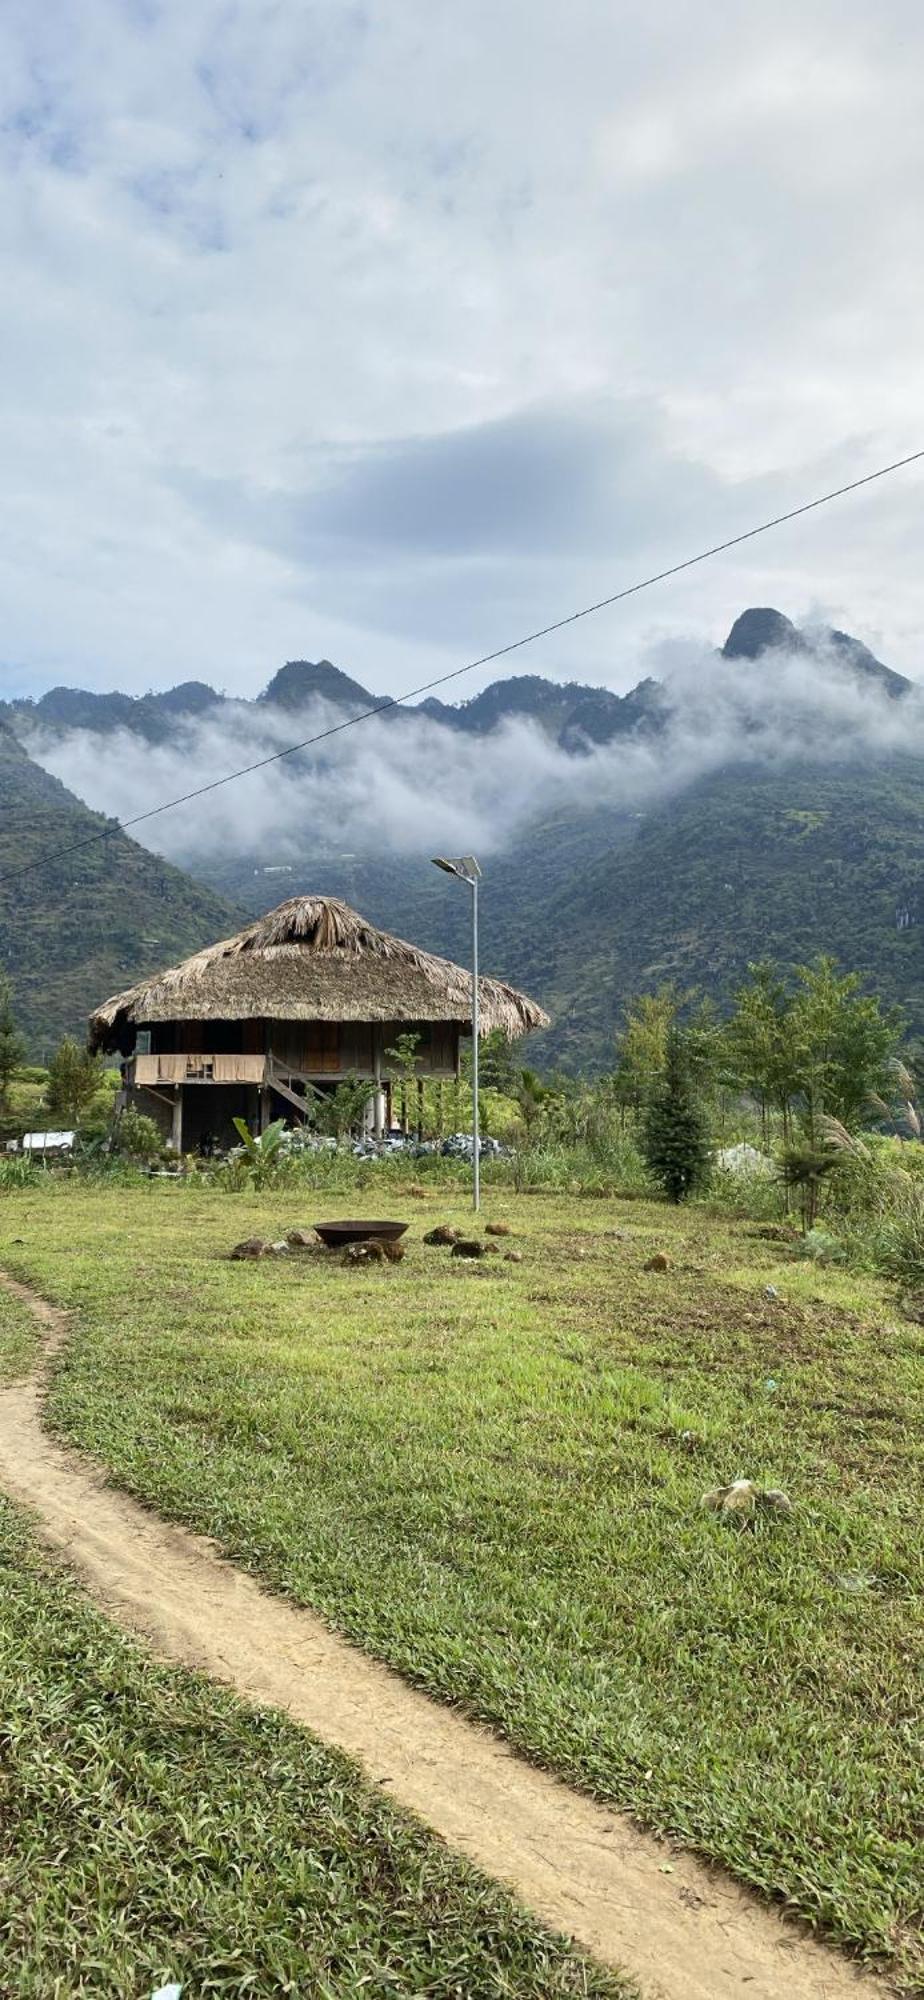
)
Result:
{"points": [[389, 333], [413, 785]]}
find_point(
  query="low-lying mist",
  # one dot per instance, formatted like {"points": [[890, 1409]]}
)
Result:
{"points": [[410, 783]]}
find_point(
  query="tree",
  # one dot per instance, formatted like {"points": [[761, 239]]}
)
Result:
{"points": [[674, 1139], [805, 1167], [402, 1063], [535, 1101], [499, 1063], [759, 1050], [820, 1050], [641, 1049], [339, 1110], [74, 1077], [12, 1046], [842, 1042]]}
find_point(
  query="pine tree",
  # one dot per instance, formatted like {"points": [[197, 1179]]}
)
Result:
{"points": [[12, 1046], [674, 1139]]}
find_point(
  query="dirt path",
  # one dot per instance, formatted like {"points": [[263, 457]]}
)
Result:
{"points": [[688, 1934]]}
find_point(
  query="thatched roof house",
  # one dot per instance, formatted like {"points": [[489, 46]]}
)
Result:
{"points": [[306, 994]]}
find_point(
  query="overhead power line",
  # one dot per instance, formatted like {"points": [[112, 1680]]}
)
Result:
{"points": [[483, 660]]}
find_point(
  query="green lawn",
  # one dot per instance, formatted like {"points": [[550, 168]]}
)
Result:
{"points": [[153, 1827], [489, 1475]]}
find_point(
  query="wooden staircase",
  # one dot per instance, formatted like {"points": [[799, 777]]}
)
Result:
{"points": [[281, 1077]]}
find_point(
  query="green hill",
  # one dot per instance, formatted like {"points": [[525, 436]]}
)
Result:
{"points": [[92, 918], [591, 908], [747, 864]]}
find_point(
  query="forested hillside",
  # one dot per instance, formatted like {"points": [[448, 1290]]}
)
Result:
{"points": [[591, 908], [91, 918]]}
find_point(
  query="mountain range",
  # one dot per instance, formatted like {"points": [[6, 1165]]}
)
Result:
{"points": [[798, 834], [571, 712]]}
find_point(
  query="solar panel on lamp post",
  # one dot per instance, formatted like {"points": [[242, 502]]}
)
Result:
{"points": [[467, 870]]}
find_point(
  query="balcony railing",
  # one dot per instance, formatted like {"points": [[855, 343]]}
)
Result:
{"points": [[196, 1067]]}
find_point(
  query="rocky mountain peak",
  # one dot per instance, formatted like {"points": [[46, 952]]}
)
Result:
{"points": [[759, 630]]}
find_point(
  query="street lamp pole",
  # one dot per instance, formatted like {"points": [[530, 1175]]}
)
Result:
{"points": [[476, 1122], [467, 870]]}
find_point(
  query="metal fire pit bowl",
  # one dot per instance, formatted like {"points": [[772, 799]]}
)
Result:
{"points": [[336, 1234]]}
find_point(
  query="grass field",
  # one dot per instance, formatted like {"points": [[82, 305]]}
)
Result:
{"points": [[489, 1475], [153, 1827]]}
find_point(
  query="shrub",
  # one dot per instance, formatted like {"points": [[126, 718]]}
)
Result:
{"points": [[137, 1137], [820, 1247], [898, 1243], [804, 1168]]}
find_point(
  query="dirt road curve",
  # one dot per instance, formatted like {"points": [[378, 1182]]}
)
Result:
{"points": [[689, 1934]]}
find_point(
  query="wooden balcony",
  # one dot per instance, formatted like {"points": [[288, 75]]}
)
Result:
{"points": [[195, 1067]]}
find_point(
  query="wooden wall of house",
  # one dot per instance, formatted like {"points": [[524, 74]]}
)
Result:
{"points": [[318, 1048], [217, 1038], [438, 1045]]}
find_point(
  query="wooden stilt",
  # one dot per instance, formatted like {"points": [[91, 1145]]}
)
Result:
{"points": [[379, 1099]]}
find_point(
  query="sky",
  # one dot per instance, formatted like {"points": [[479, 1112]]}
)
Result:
{"points": [[387, 334]]}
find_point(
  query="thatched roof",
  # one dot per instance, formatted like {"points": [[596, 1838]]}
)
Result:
{"points": [[314, 959]]}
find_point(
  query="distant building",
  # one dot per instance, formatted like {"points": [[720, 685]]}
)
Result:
{"points": [[256, 1026]]}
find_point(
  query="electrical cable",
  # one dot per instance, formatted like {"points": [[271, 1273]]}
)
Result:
{"points": [[483, 660]]}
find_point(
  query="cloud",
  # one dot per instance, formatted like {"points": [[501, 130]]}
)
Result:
{"points": [[410, 784], [385, 333]]}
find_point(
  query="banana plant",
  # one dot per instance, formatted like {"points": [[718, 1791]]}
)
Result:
{"points": [[262, 1151]]}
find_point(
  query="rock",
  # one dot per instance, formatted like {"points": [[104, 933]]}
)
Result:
{"points": [[252, 1247], [777, 1501], [738, 1498], [301, 1239], [659, 1262], [770, 1292], [445, 1232], [393, 1250], [513, 1256], [363, 1253], [277, 1249], [743, 1497], [498, 1229], [468, 1247]]}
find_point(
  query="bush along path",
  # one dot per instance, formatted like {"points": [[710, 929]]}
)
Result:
{"points": [[683, 1932]]}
